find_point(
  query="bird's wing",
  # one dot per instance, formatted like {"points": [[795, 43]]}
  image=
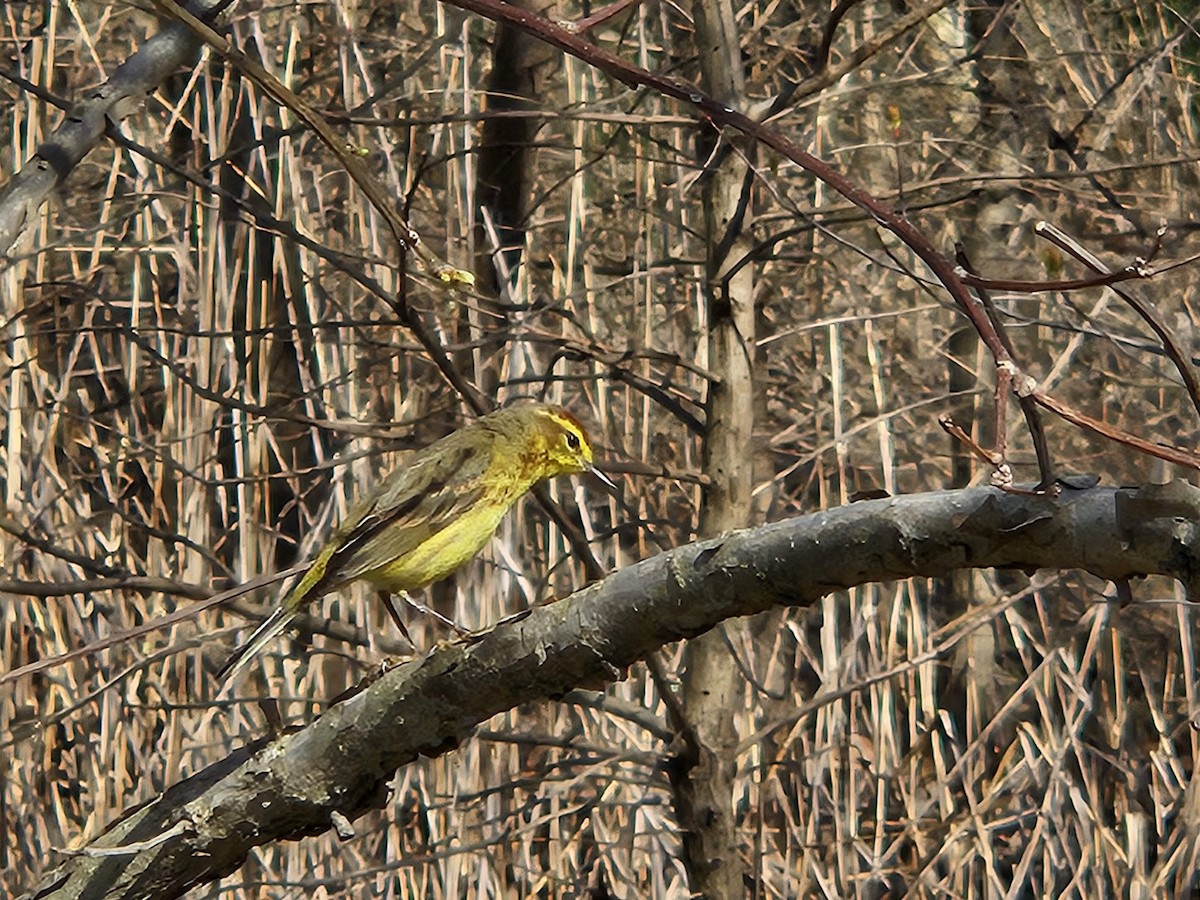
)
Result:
{"points": [[409, 506]]}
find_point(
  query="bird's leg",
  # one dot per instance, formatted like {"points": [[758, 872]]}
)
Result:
{"points": [[386, 597], [270, 709], [422, 608]]}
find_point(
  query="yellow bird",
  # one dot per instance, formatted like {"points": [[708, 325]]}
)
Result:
{"points": [[423, 522]]}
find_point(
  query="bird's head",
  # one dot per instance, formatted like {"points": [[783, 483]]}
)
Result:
{"points": [[561, 441]]}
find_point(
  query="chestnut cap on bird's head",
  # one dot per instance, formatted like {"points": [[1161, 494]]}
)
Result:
{"points": [[566, 443]]}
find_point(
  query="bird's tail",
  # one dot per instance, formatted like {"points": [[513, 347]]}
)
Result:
{"points": [[270, 628]]}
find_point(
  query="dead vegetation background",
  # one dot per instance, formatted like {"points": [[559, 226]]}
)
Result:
{"points": [[193, 392]]}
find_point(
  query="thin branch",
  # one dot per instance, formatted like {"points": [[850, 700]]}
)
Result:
{"points": [[1144, 308], [722, 115], [155, 624], [406, 237], [829, 30], [949, 274], [146, 584], [1178, 455], [1016, 286], [1004, 376]]}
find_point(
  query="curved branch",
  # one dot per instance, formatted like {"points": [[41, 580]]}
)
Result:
{"points": [[338, 767]]}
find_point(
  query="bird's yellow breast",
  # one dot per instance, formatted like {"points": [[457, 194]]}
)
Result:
{"points": [[442, 553]]}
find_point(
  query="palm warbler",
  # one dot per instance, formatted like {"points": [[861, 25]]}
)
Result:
{"points": [[425, 521]]}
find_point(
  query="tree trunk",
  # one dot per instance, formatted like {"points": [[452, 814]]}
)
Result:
{"points": [[703, 776]]}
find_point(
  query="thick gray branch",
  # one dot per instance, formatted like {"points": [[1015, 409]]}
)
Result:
{"points": [[338, 766], [85, 123]]}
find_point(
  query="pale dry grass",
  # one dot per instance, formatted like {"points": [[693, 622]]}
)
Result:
{"points": [[166, 357]]}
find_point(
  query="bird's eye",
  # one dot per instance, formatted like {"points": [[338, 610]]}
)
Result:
{"points": [[572, 441]]}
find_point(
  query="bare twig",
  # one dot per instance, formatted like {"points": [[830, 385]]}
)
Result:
{"points": [[1004, 377], [156, 624], [1144, 308]]}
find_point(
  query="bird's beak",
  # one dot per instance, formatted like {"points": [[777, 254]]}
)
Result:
{"points": [[608, 482]]}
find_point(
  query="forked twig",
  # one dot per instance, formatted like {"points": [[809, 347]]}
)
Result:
{"points": [[1002, 477], [1004, 382]]}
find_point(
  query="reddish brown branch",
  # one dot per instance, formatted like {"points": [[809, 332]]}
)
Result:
{"points": [[1108, 279], [719, 114], [1177, 455], [1004, 383], [600, 16], [827, 33], [993, 458]]}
